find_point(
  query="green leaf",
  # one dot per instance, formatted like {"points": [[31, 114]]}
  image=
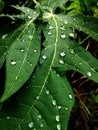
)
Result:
{"points": [[83, 23], [21, 59], [54, 3], [43, 107], [30, 13], [69, 55]]}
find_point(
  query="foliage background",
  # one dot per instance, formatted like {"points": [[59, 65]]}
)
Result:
{"points": [[84, 115]]}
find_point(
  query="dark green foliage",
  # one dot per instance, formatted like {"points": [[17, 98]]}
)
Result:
{"points": [[37, 54]]}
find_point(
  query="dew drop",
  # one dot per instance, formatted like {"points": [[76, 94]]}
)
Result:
{"points": [[71, 35], [89, 74], [49, 33], [28, 10], [62, 54], [31, 125], [4, 36], [58, 127], [47, 92], [57, 118], [54, 102], [66, 108], [71, 51], [51, 27], [70, 96], [35, 50], [44, 57], [39, 117], [61, 61], [22, 49], [7, 117], [63, 36], [66, 22], [59, 107], [80, 63], [30, 37], [13, 62], [37, 97], [41, 125], [23, 40], [29, 17]]}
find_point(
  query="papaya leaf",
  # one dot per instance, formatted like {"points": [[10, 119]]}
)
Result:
{"points": [[30, 13], [84, 23], [54, 4], [21, 59], [32, 110], [69, 55]]}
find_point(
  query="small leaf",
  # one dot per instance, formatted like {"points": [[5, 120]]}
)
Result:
{"points": [[30, 13], [83, 23], [21, 59]]}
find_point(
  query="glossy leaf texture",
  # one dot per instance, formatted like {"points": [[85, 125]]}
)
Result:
{"points": [[22, 58], [53, 4], [43, 107], [84, 23], [28, 13], [69, 54]]}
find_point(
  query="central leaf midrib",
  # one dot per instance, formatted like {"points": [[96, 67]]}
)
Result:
{"points": [[23, 59], [54, 55]]}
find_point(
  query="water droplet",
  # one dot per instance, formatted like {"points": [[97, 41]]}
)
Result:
{"points": [[22, 49], [39, 117], [71, 51], [61, 61], [80, 63], [4, 36], [58, 127], [57, 118], [66, 22], [30, 37], [7, 117], [62, 54], [41, 125], [44, 57], [74, 19], [51, 27], [70, 96], [28, 10], [31, 125], [29, 17], [49, 33], [66, 108], [63, 36], [89, 74], [71, 35], [23, 40], [54, 102], [13, 62], [59, 107], [35, 50], [37, 97], [47, 92]]}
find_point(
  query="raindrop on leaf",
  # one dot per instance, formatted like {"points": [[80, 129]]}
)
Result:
{"points": [[63, 36], [31, 125], [61, 61], [57, 118], [89, 74], [13, 62]]}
